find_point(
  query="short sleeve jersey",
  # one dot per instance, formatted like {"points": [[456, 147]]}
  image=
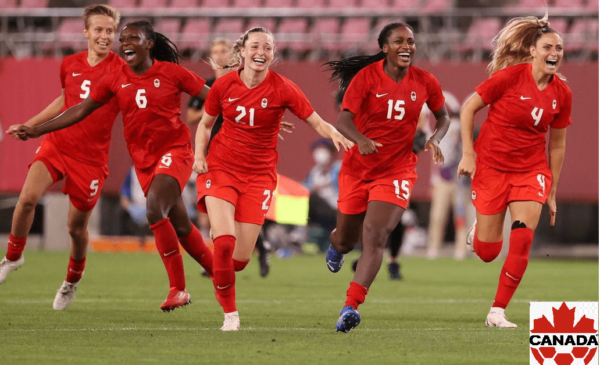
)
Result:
{"points": [[151, 106], [388, 112], [89, 140], [513, 137], [247, 141]]}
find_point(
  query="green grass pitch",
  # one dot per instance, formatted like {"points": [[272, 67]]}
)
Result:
{"points": [[435, 315]]}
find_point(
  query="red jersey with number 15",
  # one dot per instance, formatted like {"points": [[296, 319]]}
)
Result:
{"points": [[151, 105], [89, 140], [388, 112], [247, 141], [513, 137]]}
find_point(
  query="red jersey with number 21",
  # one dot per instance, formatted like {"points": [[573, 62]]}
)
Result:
{"points": [[513, 137], [89, 140], [247, 141], [151, 105], [388, 112]]}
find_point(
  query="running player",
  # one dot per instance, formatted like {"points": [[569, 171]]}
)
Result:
{"points": [[508, 164], [380, 113], [84, 166], [237, 179], [148, 90]]}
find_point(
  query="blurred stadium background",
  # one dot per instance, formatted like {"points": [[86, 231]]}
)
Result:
{"points": [[453, 42]]}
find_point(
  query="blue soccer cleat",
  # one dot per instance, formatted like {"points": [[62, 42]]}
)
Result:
{"points": [[349, 319], [334, 259]]}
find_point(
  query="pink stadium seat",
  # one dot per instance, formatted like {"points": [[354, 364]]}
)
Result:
{"points": [[34, 3], [582, 32], [8, 4], [169, 27], [560, 25], [342, 4], [292, 33], [592, 5], [528, 5], [569, 4], [309, 4], [184, 3], [325, 32], [480, 34], [355, 32], [70, 34], [433, 6], [214, 3], [278, 3], [145, 4], [230, 28], [195, 35], [406, 4], [247, 3], [375, 4], [120, 4], [267, 23]]}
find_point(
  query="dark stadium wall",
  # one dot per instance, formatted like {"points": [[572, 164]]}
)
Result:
{"points": [[29, 85]]}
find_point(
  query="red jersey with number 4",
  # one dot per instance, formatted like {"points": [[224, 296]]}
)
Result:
{"points": [[151, 105], [89, 140], [388, 112], [513, 137], [247, 141]]}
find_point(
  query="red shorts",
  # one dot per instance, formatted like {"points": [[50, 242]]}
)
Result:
{"points": [[83, 182], [355, 194], [250, 194], [493, 189], [177, 163]]}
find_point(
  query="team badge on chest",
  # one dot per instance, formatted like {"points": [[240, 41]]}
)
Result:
{"points": [[413, 96], [554, 104], [156, 83], [263, 103]]}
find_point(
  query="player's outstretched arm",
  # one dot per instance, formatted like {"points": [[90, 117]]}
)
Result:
{"points": [[328, 131], [441, 127], [467, 124], [556, 152], [202, 136], [71, 116], [52, 110]]}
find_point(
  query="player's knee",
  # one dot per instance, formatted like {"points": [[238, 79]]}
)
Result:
{"points": [[342, 243], [27, 203], [77, 232], [487, 251], [239, 265], [375, 234]]}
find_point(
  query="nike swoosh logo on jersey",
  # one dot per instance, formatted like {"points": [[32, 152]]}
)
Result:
{"points": [[524, 98], [230, 99], [75, 75], [223, 287], [380, 95], [75, 272], [124, 85], [169, 253]]}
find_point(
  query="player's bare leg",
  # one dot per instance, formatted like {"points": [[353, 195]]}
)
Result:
{"points": [[36, 184], [343, 239], [162, 196]]}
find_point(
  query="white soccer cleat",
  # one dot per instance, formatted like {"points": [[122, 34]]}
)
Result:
{"points": [[65, 296], [231, 322], [471, 237], [496, 318], [6, 266]]}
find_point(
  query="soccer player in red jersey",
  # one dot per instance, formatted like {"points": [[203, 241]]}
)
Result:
{"points": [[237, 179], [508, 164], [62, 155], [380, 112], [148, 91]]}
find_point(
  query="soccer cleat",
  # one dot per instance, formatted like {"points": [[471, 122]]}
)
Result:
{"points": [[175, 299], [231, 322], [65, 296], [334, 259], [394, 269], [496, 318], [471, 237], [349, 319], [7, 266]]}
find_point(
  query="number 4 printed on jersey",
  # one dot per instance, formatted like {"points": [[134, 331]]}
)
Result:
{"points": [[537, 116]]}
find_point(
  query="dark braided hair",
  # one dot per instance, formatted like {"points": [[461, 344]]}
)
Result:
{"points": [[164, 49], [347, 68]]}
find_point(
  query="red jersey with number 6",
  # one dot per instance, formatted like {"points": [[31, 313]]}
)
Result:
{"points": [[88, 141], [151, 105], [247, 141], [387, 112], [513, 137]]}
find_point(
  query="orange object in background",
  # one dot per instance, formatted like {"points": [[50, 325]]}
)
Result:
{"points": [[130, 244]]}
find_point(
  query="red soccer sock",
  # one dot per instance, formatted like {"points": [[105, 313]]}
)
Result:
{"points": [[194, 245], [239, 265], [514, 266], [15, 247], [355, 295], [224, 274], [75, 270], [487, 251], [168, 248]]}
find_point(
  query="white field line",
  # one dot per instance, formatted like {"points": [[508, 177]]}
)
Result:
{"points": [[277, 302]]}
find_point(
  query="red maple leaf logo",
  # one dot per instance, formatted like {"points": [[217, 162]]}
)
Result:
{"points": [[564, 322]]}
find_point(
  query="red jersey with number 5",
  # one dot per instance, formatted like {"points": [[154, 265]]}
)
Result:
{"points": [[89, 140], [513, 137], [151, 105], [247, 141], [388, 112]]}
